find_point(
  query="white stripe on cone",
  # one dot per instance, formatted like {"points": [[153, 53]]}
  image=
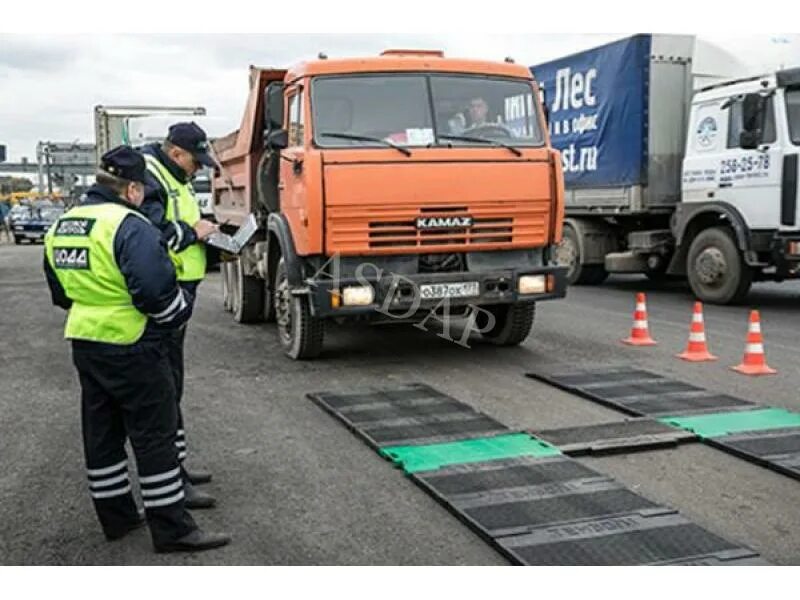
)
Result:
{"points": [[697, 318], [697, 337], [754, 349]]}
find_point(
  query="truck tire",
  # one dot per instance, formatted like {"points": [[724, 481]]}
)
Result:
{"points": [[513, 323], [569, 254], [249, 296], [226, 273], [17, 240], [716, 269], [300, 334], [268, 311]]}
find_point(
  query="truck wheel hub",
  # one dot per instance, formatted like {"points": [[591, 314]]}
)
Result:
{"points": [[283, 311], [711, 266], [566, 253]]}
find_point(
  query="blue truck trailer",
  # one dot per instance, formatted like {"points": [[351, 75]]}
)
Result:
{"points": [[671, 171]]}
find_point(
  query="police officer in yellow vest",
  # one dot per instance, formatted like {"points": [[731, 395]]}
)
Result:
{"points": [[171, 205], [106, 264]]}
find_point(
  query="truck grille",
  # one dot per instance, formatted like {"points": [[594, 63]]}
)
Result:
{"points": [[394, 230]]}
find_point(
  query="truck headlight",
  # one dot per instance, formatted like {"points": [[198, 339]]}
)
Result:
{"points": [[793, 248], [361, 295], [532, 284]]}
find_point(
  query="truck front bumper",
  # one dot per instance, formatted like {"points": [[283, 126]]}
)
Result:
{"points": [[786, 254], [400, 295]]}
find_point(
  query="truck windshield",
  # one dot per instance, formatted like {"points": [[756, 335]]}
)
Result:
{"points": [[793, 114], [404, 110]]}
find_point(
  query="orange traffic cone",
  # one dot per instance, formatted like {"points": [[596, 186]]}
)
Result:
{"points": [[640, 334], [696, 349], [754, 362]]}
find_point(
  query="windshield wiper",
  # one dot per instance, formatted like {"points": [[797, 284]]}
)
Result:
{"points": [[366, 138], [464, 138]]}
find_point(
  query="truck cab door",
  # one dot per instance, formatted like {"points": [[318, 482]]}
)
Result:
{"points": [[750, 179], [718, 169], [292, 181]]}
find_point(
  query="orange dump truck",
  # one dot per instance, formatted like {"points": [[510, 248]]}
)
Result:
{"points": [[401, 187]]}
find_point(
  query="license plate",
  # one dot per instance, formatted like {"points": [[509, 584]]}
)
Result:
{"points": [[467, 289]]}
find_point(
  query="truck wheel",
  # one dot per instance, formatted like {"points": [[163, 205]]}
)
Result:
{"points": [[300, 334], [227, 286], [249, 305], [716, 269], [17, 240], [568, 254], [513, 323]]}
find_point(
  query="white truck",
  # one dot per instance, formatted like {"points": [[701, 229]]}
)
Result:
{"points": [[671, 172], [140, 125]]}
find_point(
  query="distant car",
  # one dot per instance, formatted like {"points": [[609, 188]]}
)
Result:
{"points": [[31, 223]]}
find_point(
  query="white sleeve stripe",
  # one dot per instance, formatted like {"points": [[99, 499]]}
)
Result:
{"points": [[175, 303], [174, 313], [178, 233], [175, 239]]}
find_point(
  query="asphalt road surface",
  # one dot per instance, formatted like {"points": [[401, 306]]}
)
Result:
{"points": [[295, 487]]}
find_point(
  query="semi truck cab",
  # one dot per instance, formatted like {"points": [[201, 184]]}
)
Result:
{"points": [[740, 167]]}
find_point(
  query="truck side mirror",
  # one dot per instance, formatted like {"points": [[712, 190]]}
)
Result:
{"points": [[753, 115], [273, 106], [749, 140], [278, 139]]}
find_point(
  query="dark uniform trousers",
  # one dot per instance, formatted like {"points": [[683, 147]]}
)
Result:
{"points": [[174, 343], [130, 391]]}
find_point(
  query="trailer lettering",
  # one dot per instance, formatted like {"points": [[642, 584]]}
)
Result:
{"points": [[574, 91], [588, 94], [579, 160]]}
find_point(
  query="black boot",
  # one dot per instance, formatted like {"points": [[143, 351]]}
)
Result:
{"points": [[197, 476], [196, 541], [195, 499]]}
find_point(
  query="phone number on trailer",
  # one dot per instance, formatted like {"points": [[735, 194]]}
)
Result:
{"points": [[745, 164]]}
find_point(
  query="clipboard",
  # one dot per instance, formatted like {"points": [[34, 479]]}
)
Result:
{"points": [[233, 244]]}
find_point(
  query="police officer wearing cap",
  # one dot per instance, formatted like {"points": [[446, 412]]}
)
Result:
{"points": [[106, 264], [171, 205]]}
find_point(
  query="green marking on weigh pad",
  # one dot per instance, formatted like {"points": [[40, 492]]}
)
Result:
{"points": [[725, 423], [436, 456]]}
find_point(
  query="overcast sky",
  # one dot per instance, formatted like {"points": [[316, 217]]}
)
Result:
{"points": [[51, 83]]}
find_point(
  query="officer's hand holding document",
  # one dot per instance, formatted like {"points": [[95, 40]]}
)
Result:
{"points": [[204, 228], [233, 244]]}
